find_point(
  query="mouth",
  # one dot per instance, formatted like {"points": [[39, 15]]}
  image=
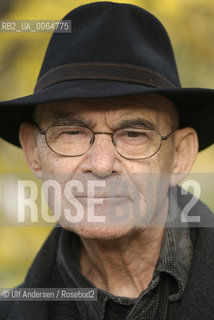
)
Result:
{"points": [[102, 197], [102, 200]]}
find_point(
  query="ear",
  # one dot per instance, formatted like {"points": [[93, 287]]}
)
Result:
{"points": [[185, 151], [28, 141]]}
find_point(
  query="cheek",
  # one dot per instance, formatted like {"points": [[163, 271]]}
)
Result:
{"points": [[65, 165], [166, 158], [53, 163], [142, 166], [150, 175]]}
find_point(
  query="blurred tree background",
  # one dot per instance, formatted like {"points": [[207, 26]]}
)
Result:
{"points": [[190, 24]]}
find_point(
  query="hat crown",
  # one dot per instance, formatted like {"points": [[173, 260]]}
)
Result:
{"points": [[114, 50], [113, 32]]}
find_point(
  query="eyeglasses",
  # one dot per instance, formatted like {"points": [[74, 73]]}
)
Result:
{"points": [[130, 143]]}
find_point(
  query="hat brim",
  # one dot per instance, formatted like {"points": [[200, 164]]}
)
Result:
{"points": [[195, 105]]}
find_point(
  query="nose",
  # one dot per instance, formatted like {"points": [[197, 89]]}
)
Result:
{"points": [[102, 158]]}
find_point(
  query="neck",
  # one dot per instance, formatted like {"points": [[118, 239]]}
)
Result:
{"points": [[123, 266]]}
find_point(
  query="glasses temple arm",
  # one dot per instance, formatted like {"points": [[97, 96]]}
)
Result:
{"points": [[168, 135]]}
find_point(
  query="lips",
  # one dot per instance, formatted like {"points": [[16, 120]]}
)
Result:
{"points": [[124, 185], [99, 193], [104, 200], [100, 197]]}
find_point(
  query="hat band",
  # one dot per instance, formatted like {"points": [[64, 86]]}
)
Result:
{"points": [[103, 71]]}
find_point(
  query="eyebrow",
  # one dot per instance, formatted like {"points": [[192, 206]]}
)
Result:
{"points": [[137, 122], [70, 118], [63, 118]]}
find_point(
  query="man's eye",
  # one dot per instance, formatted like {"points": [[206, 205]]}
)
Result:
{"points": [[72, 133], [135, 134]]}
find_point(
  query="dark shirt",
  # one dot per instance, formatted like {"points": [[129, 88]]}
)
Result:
{"points": [[196, 301], [159, 301]]}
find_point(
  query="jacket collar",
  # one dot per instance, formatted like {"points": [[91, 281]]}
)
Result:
{"points": [[197, 299]]}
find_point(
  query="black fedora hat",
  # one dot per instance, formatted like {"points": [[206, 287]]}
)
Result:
{"points": [[113, 50]]}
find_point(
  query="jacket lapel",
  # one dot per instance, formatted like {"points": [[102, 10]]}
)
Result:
{"points": [[37, 277]]}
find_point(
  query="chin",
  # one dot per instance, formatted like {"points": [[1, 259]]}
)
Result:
{"points": [[101, 233]]}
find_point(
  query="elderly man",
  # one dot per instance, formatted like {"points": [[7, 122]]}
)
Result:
{"points": [[108, 109]]}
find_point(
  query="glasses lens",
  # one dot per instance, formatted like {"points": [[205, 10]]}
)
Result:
{"points": [[136, 143], [69, 140]]}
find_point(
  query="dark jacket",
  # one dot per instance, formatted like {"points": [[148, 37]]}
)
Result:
{"points": [[197, 301]]}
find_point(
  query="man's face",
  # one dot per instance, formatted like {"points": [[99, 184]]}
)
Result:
{"points": [[121, 179]]}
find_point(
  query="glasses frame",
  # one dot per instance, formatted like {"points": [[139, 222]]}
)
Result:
{"points": [[44, 132]]}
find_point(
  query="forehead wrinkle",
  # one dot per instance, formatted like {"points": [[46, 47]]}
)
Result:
{"points": [[157, 104], [71, 118], [166, 110], [96, 103], [144, 116], [58, 114], [137, 122]]}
